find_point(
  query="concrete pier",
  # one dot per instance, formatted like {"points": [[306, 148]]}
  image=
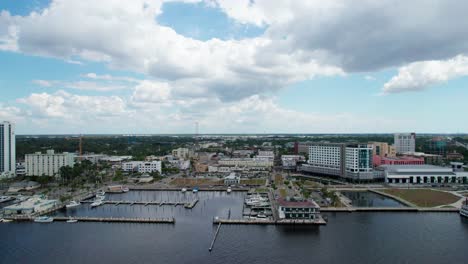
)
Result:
{"points": [[320, 221], [145, 203], [388, 209], [104, 219]]}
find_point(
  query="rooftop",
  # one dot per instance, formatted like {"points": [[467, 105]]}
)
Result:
{"points": [[297, 203]]}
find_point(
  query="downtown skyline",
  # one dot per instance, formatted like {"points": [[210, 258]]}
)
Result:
{"points": [[158, 67]]}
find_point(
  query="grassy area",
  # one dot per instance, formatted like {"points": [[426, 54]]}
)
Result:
{"points": [[182, 182], [278, 179], [283, 193], [312, 184], [252, 181], [423, 197]]}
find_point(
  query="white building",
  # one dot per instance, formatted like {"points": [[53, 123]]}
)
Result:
{"points": [[35, 204], [182, 153], [49, 164], [405, 142], [246, 162], [353, 161], [266, 154], [422, 174], [7, 150], [232, 179], [290, 161], [142, 166]]}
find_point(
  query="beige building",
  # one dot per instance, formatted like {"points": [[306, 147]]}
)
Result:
{"points": [[182, 153], [382, 149]]}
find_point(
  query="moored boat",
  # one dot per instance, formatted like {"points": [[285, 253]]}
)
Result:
{"points": [[125, 189], [229, 190], [195, 190], [184, 190], [96, 203], [100, 193], [5, 199], [72, 204], [464, 209], [43, 219], [71, 220]]}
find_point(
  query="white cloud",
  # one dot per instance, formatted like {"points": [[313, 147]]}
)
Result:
{"points": [[151, 92], [418, 76], [81, 85]]}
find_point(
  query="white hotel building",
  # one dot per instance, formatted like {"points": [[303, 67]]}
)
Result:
{"points": [[405, 142], [352, 161], [7, 150], [48, 164]]}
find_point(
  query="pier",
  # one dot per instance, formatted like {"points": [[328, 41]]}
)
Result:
{"points": [[101, 219], [319, 221], [146, 203], [214, 237]]}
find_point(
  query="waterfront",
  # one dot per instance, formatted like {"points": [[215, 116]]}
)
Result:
{"points": [[370, 199], [348, 237]]}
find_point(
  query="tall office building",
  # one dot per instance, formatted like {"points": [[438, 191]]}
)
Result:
{"points": [[7, 149], [405, 142]]}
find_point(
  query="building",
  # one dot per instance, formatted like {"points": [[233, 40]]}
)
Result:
{"points": [[382, 149], [454, 155], [404, 160], [432, 159], [246, 162], [302, 147], [405, 142], [7, 150], [142, 166], [422, 174], [20, 169], [351, 161], [182, 153], [242, 153], [291, 208], [48, 164], [290, 161], [266, 154], [232, 179], [35, 204], [93, 158]]}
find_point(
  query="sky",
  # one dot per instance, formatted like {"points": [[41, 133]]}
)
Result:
{"points": [[244, 66]]}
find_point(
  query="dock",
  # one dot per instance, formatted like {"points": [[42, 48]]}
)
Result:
{"points": [[103, 219], [319, 221], [388, 209], [191, 204], [146, 203], [118, 220], [214, 237]]}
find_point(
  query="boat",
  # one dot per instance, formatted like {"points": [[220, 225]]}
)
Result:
{"points": [[195, 190], [125, 189], [5, 199], [72, 204], [2, 220], [71, 220], [100, 197], [261, 215], [43, 219], [184, 190], [229, 190], [100, 193], [96, 203], [464, 209]]}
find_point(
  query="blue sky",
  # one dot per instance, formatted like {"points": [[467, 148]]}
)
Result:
{"points": [[245, 67]]}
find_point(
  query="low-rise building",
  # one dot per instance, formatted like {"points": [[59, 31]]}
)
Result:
{"points": [[404, 160], [291, 208], [422, 174], [182, 153], [48, 164], [20, 169], [232, 179], [242, 153], [93, 158], [290, 161], [142, 166], [35, 204], [246, 162]]}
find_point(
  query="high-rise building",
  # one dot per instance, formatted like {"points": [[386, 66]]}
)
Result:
{"points": [[382, 149], [7, 149], [352, 161], [405, 142]]}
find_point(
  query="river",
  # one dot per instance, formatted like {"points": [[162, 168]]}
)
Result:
{"points": [[347, 238]]}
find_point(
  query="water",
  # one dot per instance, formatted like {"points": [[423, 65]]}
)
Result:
{"points": [[348, 237], [370, 199]]}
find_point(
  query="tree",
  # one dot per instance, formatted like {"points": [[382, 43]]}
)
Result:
{"points": [[66, 173]]}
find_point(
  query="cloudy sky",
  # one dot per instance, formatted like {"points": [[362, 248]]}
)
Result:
{"points": [[244, 66]]}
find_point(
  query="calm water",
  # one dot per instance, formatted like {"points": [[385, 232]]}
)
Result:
{"points": [[370, 199], [348, 237]]}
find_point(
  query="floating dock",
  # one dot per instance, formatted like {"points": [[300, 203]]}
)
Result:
{"points": [[320, 221]]}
